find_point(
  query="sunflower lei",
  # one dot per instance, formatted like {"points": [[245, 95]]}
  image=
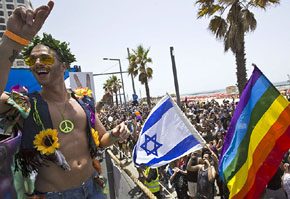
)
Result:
{"points": [[80, 92], [46, 142]]}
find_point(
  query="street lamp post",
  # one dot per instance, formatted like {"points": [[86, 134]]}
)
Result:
{"points": [[120, 73], [175, 76]]}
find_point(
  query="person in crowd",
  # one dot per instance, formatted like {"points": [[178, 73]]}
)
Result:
{"points": [[286, 180], [151, 176], [178, 179], [62, 135], [206, 176], [194, 159], [274, 188]]}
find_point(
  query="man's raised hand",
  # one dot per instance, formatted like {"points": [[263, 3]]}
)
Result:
{"points": [[26, 23]]}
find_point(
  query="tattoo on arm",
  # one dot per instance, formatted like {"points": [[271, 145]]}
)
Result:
{"points": [[13, 56]]}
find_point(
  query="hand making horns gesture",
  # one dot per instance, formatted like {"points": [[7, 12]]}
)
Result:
{"points": [[26, 22]]}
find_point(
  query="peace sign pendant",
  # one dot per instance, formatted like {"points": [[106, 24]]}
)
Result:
{"points": [[66, 126]]}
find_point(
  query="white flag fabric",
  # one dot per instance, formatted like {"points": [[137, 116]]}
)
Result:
{"points": [[166, 135]]}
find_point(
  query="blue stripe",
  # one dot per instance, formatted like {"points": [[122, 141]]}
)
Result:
{"points": [[135, 155], [157, 115], [257, 91], [244, 99], [185, 145]]}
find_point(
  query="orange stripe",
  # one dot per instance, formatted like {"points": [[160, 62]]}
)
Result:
{"points": [[270, 165], [16, 38], [264, 148]]}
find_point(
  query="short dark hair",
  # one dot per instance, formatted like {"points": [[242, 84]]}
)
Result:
{"points": [[205, 151]]}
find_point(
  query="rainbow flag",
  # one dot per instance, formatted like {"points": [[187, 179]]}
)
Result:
{"points": [[257, 139]]}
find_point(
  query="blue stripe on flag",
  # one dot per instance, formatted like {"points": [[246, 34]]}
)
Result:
{"points": [[157, 115], [183, 146], [261, 85]]}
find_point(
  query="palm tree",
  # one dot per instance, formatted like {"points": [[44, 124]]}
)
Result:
{"points": [[138, 65], [107, 86], [230, 21], [115, 85]]}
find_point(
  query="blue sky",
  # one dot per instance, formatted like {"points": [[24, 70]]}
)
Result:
{"points": [[106, 28]]}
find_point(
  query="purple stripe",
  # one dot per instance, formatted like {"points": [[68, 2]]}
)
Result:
{"points": [[241, 105]]}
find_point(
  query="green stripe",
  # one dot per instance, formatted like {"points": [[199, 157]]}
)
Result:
{"points": [[258, 111]]}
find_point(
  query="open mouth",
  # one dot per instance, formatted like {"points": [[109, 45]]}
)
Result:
{"points": [[41, 73]]}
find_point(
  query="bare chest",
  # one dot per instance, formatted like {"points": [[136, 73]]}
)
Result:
{"points": [[68, 117]]}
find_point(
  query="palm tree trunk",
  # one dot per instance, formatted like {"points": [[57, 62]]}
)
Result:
{"points": [[241, 66], [132, 78], [147, 93], [133, 84], [116, 93]]}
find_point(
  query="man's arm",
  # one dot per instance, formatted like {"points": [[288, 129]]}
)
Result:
{"points": [[211, 171], [152, 175], [192, 168], [108, 138], [175, 171], [24, 23]]}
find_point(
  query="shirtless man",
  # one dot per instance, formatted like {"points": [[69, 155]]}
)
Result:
{"points": [[206, 174], [76, 180]]}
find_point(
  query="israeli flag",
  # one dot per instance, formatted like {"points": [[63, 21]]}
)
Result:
{"points": [[166, 135]]}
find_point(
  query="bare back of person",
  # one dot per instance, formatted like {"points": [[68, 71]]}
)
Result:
{"points": [[74, 147]]}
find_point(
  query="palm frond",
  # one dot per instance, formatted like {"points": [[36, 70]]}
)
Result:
{"points": [[142, 78], [218, 26], [135, 73], [145, 54], [204, 2], [149, 72], [264, 3], [140, 50], [227, 2], [131, 68], [142, 69], [134, 51], [249, 21], [149, 60], [202, 12], [216, 8], [230, 38]]}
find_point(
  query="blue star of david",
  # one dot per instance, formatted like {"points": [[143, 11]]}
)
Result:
{"points": [[156, 145]]}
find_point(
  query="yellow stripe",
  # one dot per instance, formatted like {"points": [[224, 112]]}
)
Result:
{"points": [[260, 130]]}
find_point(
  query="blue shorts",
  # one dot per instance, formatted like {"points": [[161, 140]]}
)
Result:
{"points": [[87, 190]]}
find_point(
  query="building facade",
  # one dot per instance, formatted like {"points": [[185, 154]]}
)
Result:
{"points": [[6, 9]]}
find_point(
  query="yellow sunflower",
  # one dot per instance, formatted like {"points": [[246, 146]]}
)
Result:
{"points": [[95, 135], [46, 141], [80, 92]]}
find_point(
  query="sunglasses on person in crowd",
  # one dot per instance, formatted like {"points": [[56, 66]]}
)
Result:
{"points": [[45, 59]]}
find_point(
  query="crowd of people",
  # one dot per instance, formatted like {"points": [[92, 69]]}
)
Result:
{"points": [[195, 175], [210, 119]]}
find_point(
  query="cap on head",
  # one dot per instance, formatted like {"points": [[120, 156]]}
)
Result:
{"points": [[61, 48]]}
